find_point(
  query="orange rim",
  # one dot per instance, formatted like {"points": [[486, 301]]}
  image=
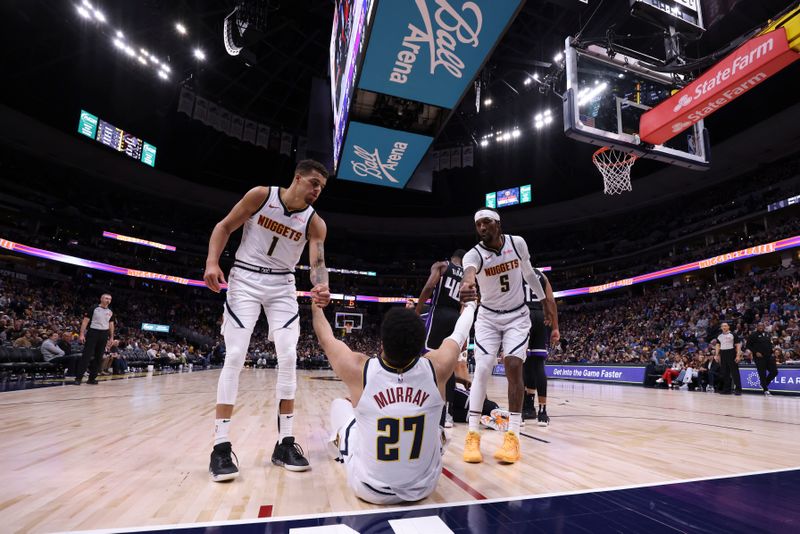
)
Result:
{"points": [[629, 159]]}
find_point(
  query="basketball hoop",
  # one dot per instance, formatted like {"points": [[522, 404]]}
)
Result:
{"points": [[615, 166], [348, 327]]}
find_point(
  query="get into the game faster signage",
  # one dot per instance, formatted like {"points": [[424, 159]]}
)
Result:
{"points": [[430, 50], [747, 67], [381, 156]]}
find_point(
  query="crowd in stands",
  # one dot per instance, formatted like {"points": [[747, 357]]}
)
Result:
{"points": [[46, 315], [663, 325]]}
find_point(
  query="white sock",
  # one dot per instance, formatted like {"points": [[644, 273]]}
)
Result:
{"points": [[285, 425], [514, 422], [474, 419], [221, 429]]}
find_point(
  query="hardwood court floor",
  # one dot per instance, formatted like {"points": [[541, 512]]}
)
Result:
{"points": [[135, 452]]}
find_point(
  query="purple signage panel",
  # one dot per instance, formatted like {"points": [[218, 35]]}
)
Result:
{"points": [[611, 373], [787, 380]]}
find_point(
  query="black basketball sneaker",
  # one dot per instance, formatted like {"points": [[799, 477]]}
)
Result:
{"points": [[528, 409], [543, 418], [289, 454], [222, 467]]}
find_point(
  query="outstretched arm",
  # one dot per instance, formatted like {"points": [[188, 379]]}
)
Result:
{"points": [[472, 263], [437, 269], [321, 294], [445, 357], [347, 365]]}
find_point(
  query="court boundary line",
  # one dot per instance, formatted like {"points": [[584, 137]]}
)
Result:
{"points": [[431, 506]]}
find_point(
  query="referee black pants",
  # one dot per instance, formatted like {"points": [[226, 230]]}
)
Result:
{"points": [[730, 370], [93, 352]]}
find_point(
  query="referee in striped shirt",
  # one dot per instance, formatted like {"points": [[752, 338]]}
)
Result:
{"points": [[96, 339], [729, 351]]}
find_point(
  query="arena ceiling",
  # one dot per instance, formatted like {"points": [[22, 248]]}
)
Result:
{"points": [[61, 64]]}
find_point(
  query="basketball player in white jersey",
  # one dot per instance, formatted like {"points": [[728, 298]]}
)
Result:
{"points": [[277, 224], [388, 434], [500, 263]]}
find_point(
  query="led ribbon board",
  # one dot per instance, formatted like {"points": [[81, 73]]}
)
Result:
{"points": [[137, 241], [768, 248]]}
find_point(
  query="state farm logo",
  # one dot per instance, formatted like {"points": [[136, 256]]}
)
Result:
{"points": [[452, 28], [684, 101], [370, 163]]}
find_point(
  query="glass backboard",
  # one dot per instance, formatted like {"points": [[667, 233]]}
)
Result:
{"points": [[605, 98]]}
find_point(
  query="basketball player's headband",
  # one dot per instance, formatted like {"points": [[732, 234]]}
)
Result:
{"points": [[487, 214]]}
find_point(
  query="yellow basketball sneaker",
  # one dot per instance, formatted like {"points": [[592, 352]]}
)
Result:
{"points": [[472, 448], [509, 452]]}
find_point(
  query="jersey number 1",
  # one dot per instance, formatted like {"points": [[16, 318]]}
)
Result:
{"points": [[391, 428], [272, 246]]}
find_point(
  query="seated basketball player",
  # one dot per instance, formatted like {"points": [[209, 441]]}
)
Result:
{"points": [[388, 433]]}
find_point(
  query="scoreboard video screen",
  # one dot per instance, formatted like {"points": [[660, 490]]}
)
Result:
{"points": [[509, 197], [116, 138]]}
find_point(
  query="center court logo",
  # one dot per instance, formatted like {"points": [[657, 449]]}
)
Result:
{"points": [[453, 27], [371, 163]]}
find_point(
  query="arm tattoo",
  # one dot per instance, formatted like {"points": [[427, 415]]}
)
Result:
{"points": [[319, 273]]}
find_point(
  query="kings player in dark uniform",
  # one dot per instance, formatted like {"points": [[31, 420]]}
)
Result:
{"points": [[443, 287], [533, 370]]}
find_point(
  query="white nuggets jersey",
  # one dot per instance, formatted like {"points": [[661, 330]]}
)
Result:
{"points": [[398, 445], [499, 274], [274, 237]]}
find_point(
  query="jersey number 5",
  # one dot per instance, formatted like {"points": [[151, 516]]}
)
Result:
{"points": [[390, 428], [504, 285]]}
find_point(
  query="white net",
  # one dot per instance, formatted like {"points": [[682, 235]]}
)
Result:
{"points": [[615, 166]]}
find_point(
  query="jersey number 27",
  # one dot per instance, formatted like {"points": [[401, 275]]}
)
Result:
{"points": [[389, 434]]}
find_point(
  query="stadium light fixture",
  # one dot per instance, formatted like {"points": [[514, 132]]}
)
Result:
{"points": [[166, 68], [99, 15], [485, 142], [515, 134], [88, 5], [83, 12], [163, 75], [181, 29], [118, 44], [120, 34], [527, 81], [558, 57], [142, 60], [199, 54]]}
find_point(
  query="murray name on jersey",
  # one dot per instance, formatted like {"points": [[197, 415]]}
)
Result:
{"points": [[400, 394]]}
